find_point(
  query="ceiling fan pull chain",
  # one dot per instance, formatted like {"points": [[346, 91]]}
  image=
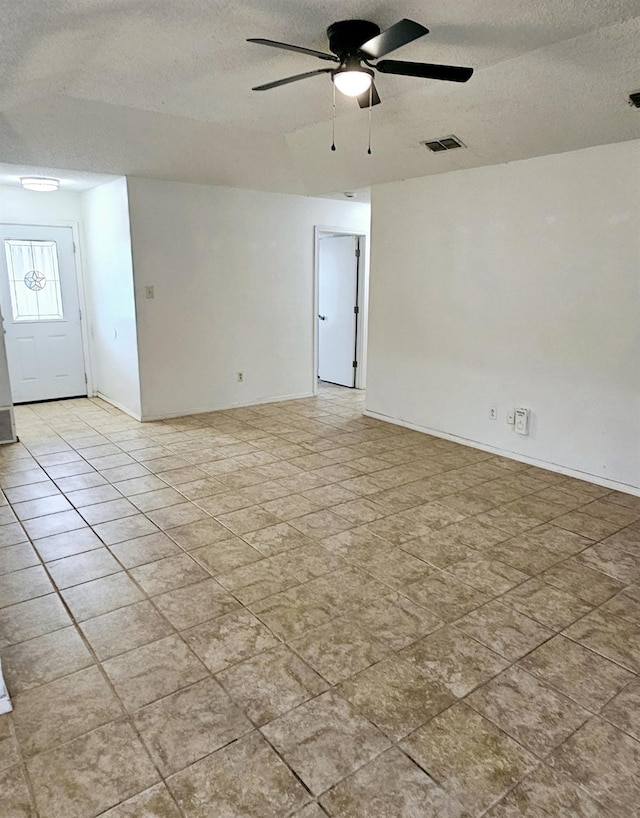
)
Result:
{"points": [[370, 107], [333, 121]]}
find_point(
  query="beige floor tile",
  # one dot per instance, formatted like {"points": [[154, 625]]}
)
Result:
{"points": [[61, 710], [43, 659], [83, 567], [546, 604], [391, 786], [100, 596], [93, 495], [308, 562], [29, 509], [545, 792], [438, 551], [32, 618], [229, 639], [324, 740], [625, 605], [310, 811], [522, 554], [610, 636], [247, 519], [504, 630], [396, 568], [605, 762], [579, 673], [20, 586], [586, 525], [154, 500], [104, 512], [445, 596], [39, 527], [395, 696], [16, 557], [490, 576], [528, 710], [624, 709], [469, 756], [200, 533], [289, 506], [258, 580], [67, 544], [152, 803], [15, 794], [31, 491], [194, 604], [320, 524], [12, 534], [271, 683], [142, 550], [139, 485], [122, 630], [189, 725], [168, 574], [9, 755], [224, 503], [276, 539], [395, 621], [219, 785], [127, 528], [91, 773], [339, 649], [152, 671], [454, 660], [613, 560], [225, 556]]}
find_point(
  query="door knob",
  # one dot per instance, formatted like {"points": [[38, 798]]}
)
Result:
{"points": [[322, 317]]}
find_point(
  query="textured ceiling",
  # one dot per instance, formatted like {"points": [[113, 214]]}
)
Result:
{"points": [[162, 88]]}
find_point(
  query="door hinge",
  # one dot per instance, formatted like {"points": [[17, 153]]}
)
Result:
{"points": [[357, 252], [355, 364], [80, 313], [86, 380], [74, 246], [356, 309]]}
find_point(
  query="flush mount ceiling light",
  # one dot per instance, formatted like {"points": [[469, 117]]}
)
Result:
{"points": [[39, 183]]}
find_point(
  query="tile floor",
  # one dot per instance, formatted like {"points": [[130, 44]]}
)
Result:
{"points": [[293, 610]]}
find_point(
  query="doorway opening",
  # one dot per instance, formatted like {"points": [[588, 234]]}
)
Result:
{"points": [[340, 308], [40, 306]]}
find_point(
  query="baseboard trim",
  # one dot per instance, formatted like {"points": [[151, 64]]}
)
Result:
{"points": [[119, 406], [627, 488], [221, 407]]}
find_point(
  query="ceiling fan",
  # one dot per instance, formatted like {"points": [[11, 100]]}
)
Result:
{"points": [[354, 43]]}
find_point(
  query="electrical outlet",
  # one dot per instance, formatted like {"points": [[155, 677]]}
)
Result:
{"points": [[511, 417], [240, 377], [522, 421], [493, 412], [149, 292]]}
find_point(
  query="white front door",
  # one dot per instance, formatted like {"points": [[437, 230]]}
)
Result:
{"points": [[41, 313], [338, 258]]}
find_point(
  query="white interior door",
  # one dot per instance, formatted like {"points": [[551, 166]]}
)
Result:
{"points": [[338, 258], [41, 313]]}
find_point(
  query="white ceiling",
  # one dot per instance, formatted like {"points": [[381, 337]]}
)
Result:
{"points": [[162, 88]]}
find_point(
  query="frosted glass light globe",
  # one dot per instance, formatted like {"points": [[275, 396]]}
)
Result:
{"points": [[352, 83]]}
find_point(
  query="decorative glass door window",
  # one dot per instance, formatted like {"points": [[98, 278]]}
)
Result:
{"points": [[34, 280]]}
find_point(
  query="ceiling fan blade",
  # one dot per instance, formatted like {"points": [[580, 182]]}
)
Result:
{"points": [[287, 80], [453, 73], [363, 99], [300, 49], [403, 32]]}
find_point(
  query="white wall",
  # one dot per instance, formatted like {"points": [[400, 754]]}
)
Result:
{"points": [[514, 285], [110, 294], [233, 277]]}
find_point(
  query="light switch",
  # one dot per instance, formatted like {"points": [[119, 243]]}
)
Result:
{"points": [[522, 421]]}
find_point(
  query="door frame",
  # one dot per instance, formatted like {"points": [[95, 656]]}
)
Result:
{"points": [[79, 269], [363, 300]]}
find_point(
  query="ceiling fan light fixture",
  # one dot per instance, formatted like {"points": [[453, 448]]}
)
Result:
{"points": [[39, 183], [352, 80]]}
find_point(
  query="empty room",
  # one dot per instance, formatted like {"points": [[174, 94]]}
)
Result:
{"points": [[320, 409]]}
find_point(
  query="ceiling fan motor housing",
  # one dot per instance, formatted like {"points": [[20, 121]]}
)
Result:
{"points": [[346, 36]]}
